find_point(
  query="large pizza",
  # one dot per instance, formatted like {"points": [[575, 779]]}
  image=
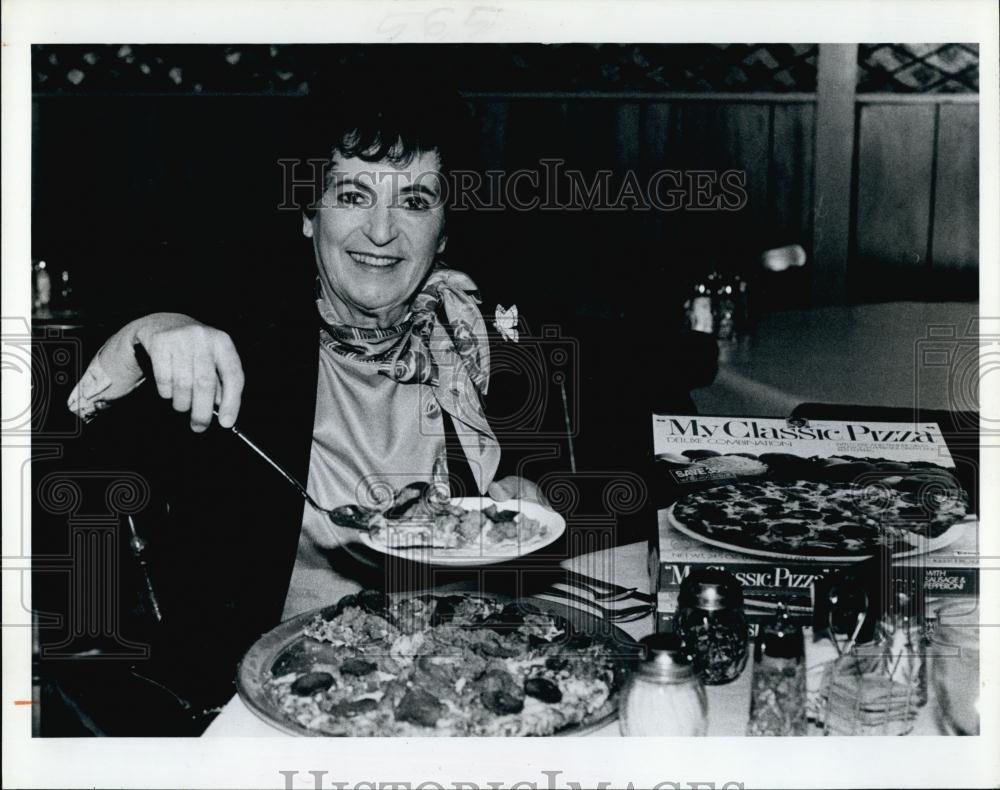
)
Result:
{"points": [[823, 507], [439, 665]]}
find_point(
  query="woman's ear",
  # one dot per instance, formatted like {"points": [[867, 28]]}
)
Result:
{"points": [[442, 242], [307, 226]]}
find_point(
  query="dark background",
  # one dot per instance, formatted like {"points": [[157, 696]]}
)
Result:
{"points": [[156, 183]]}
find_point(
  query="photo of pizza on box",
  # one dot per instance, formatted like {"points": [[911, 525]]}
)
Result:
{"points": [[839, 507]]}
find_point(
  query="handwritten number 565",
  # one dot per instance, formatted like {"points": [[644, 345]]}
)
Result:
{"points": [[438, 22]]}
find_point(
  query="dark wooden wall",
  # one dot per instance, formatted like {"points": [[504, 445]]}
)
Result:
{"points": [[917, 199], [609, 262], [914, 197], [772, 142], [131, 189]]}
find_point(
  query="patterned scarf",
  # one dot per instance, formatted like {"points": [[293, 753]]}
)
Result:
{"points": [[449, 353]]}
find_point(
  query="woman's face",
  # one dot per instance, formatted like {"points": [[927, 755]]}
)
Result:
{"points": [[375, 236]]}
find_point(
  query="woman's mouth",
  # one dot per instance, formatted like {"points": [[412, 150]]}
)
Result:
{"points": [[374, 261]]}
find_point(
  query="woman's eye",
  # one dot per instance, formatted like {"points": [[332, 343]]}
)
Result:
{"points": [[351, 199], [416, 203]]}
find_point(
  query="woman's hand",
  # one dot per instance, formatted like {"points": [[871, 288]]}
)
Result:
{"points": [[196, 367], [514, 487]]}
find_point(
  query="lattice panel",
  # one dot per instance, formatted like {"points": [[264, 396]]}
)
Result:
{"points": [[289, 69], [918, 68], [651, 67], [163, 68]]}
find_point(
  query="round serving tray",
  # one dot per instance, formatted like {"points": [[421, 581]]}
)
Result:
{"points": [[257, 663]]}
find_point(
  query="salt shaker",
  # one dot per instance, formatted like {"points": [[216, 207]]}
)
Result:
{"points": [[711, 624], [778, 687], [664, 697]]}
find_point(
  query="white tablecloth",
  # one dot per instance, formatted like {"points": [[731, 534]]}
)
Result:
{"points": [[728, 706]]}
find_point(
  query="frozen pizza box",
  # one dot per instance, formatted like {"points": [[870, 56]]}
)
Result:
{"points": [[951, 571], [780, 503]]}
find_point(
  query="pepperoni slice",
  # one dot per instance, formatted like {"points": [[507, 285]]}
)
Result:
{"points": [[790, 529], [811, 515]]}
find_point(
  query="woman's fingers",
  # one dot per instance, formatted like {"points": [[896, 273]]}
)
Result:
{"points": [[513, 487], [159, 357], [500, 491], [198, 368], [230, 371], [203, 387], [182, 369]]}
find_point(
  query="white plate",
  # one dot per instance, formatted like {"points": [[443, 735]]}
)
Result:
{"points": [[478, 553], [924, 546]]}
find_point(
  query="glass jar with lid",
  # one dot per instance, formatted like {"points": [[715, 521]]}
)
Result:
{"points": [[663, 697], [711, 624]]}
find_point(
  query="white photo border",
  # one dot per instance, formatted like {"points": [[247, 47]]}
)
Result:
{"points": [[819, 762]]}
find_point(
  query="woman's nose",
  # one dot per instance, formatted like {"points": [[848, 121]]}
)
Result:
{"points": [[380, 227]]}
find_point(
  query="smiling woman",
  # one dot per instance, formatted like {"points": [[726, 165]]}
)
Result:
{"points": [[376, 233], [379, 223], [358, 393]]}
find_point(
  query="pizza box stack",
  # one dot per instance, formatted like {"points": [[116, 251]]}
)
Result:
{"points": [[696, 454]]}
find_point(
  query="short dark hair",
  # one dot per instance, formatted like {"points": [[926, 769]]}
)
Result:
{"points": [[378, 119]]}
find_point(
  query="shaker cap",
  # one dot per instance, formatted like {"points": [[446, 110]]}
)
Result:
{"points": [[710, 589], [782, 639], [665, 657]]}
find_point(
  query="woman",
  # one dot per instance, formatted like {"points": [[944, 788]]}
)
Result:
{"points": [[358, 391]]}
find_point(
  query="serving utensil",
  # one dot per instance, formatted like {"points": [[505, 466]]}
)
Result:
{"points": [[349, 516], [353, 517], [601, 596], [624, 615], [601, 590]]}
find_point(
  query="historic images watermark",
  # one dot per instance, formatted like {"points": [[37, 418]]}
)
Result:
{"points": [[549, 187], [956, 359], [92, 505], [317, 780], [34, 365]]}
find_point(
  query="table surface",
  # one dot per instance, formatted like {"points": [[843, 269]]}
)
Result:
{"points": [[728, 706], [859, 354]]}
